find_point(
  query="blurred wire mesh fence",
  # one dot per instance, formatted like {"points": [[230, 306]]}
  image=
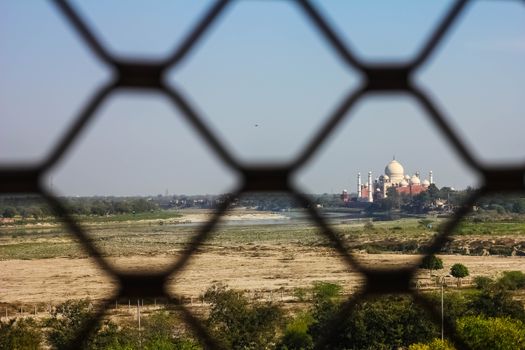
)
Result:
{"points": [[381, 78]]}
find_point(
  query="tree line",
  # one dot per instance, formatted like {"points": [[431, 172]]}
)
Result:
{"points": [[34, 207]]}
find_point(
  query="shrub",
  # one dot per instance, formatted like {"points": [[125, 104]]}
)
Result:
{"points": [[20, 334], [379, 323], [296, 336], [158, 328], [300, 294], [496, 301], [512, 280], [237, 324], [483, 282], [112, 337], [326, 290], [66, 321], [498, 333], [436, 344]]}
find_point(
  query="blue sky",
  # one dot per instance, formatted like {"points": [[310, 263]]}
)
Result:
{"points": [[261, 64]]}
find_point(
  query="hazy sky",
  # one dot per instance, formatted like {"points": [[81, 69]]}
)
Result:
{"points": [[261, 64]]}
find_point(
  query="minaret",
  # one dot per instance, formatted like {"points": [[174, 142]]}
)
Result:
{"points": [[359, 186], [430, 177], [370, 188]]}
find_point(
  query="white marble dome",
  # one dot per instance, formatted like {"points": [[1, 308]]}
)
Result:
{"points": [[403, 183], [426, 183], [414, 180], [394, 170]]}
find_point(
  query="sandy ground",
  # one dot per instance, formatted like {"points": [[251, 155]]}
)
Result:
{"points": [[233, 216], [257, 269]]}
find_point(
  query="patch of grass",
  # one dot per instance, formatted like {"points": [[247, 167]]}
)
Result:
{"points": [[490, 228], [39, 250], [155, 215], [136, 237]]}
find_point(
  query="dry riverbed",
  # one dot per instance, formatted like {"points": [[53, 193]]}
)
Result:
{"points": [[263, 269]]}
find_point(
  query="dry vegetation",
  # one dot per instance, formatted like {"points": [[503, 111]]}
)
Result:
{"points": [[44, 264]]}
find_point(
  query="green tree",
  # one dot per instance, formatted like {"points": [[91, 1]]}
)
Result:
{"points": [[431, 262], [66, 320], [433, 192], [237, 324], [20, 334], [456, 303], [380, 323], [420, 202], [392, 200], [496, 301], [494, 333], [459, 271]]}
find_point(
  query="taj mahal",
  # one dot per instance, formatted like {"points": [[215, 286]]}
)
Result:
{"points": [[394, 177]]}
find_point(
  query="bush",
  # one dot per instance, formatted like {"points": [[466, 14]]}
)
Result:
{"points": [[111, 337], [381, 323], [456, 303], [237, 324], [20, 334], [159, 333], [158, 328], [296, 336], [499, 333], [496, 301], [295, 340], [436, 344], [325, 290], [300, 294], [512, 280], [483, 282], [66, 321]]}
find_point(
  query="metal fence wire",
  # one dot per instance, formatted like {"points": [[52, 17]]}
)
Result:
{"points": [[381, 78]]}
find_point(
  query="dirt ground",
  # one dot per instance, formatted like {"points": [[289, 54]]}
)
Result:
{"points": [[276, 270]]}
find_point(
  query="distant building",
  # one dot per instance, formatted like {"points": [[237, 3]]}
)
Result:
{"points": [[394, 177], [345, 196]]}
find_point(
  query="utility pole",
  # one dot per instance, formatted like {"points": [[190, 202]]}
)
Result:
{"points": [[443, 280], [442, 314], [138, 317]]}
